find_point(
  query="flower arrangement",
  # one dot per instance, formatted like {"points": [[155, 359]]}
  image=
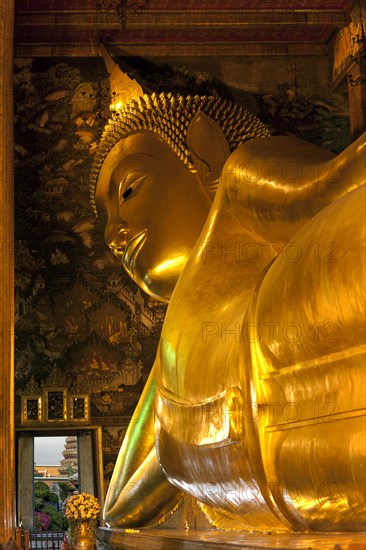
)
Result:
{"points": [[82, 506], [82, 511], [42, 521]]}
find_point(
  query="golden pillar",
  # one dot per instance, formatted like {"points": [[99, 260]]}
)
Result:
{"points": [[7, 274]]}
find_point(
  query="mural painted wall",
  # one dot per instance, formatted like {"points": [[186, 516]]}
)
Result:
{"points": [[81, 323], [86, 336]]}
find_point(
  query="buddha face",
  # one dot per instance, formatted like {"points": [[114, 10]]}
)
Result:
{"points": [[152, 209]]}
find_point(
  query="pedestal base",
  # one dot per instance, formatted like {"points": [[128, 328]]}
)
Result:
{"points": [[164, 539]]}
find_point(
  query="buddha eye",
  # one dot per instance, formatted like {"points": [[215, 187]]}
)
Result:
{"points": [[129, 184], [127, 193]]}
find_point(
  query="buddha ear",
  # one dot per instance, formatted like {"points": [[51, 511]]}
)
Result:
{"points": [[209, 149]]}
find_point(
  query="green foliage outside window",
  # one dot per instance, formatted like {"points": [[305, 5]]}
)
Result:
{"points": [[49, 502]]}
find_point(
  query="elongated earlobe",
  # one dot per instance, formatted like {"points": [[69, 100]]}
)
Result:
{"points": [[209, 149]]}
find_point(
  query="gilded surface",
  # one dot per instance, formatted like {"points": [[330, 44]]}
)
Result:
{"points": [[7, 443], [258, 384]]}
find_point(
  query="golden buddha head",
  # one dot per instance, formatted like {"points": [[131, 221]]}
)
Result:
{"points": [[155, 174]]}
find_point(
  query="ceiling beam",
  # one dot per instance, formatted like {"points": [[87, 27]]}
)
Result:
{"points": [[183, 5], [172, 49], [304, 28], [188, 19]]}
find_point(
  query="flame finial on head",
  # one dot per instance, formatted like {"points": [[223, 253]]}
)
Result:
{"points": [[123, 88]]}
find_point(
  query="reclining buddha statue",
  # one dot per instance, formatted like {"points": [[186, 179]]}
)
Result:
{"points": [[255, 405]]}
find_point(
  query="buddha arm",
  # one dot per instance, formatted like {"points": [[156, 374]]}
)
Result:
{"points": [[284, 182], [139, 493]]}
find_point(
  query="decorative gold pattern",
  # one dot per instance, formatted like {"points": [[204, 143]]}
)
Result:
{"points": [[79, 410], [83, 535], [55, 379], [55, 405], [32, 388], [31, 410]]}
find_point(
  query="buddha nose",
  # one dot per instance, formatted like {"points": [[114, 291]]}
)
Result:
{"points": [[116, 236]]}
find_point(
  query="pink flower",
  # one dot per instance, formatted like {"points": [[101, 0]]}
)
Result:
{"points": [[42, 521]]}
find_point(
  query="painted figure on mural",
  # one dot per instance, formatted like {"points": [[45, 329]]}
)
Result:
{"points": [[255, 403]]}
